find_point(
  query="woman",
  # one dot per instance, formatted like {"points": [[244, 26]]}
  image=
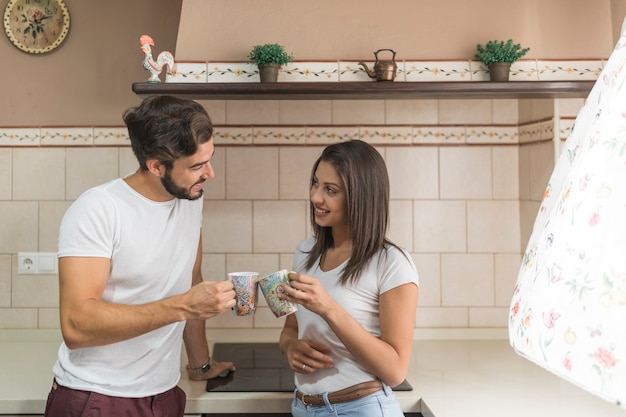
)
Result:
{"points": [[352, 339]]}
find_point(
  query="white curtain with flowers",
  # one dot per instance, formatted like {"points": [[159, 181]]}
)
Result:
{"points": [[568, 312]]}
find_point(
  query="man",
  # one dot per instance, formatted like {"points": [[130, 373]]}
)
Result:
{"points": [[130, 277]]}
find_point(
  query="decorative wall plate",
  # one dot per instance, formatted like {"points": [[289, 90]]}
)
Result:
{"points": [[36, 26]]}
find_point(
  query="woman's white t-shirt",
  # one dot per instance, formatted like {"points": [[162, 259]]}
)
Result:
{"points": [[389, 269]]}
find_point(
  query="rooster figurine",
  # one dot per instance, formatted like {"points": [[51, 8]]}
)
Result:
{"points": [[155, 67]]}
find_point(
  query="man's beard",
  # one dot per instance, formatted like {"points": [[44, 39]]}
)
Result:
{"points": [[178, 191]]}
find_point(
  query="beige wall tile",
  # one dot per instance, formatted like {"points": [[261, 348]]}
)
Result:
{"points": [[401, 223], [454, 112], [286, 261], [541, 166], [488, 317], [466, 172], [429, 270], [524, 172], [278, 225], [215, 188], [127, 162], [49, 318], [505, 161], [570, 107], [413, 172], [213, 266], [50, 215], [252, 172], [216, 110], [19, 227], [305, 112], [38, 174], [294, 170], [252, 112], [432, 317], [265, 319], [35, 290], [467, 280], [504, 111], [228, 319], [528, 214], [493, 226], [5, 174], [255, 262], [439, 226], [531, 110], [18, 318], [366, 112], [411, 112], [507, 268], [5, 281], [88, 167], [227, 226]]}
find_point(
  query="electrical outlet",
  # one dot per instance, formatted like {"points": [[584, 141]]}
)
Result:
{"points": [[33, 263]]}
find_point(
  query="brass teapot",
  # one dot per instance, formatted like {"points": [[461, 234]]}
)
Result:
{"points": [[383, 70]]}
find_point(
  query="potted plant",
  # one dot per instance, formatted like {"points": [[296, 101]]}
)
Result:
{"points": [[269, 58], [498, 57]]}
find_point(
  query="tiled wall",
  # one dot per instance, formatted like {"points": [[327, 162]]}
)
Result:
{"points": [[466, 180]]}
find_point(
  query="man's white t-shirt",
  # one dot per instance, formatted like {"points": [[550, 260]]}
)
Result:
{"points": [[388, 270], [152, 247]]}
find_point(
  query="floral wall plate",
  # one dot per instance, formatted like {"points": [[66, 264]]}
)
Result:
{"points": [[36, 26]]}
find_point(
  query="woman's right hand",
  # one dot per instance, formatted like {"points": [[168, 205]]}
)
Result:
{"points": [[306, 356]]}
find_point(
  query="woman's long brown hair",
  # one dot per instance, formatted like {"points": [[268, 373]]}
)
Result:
{"points": [[366, 183]]}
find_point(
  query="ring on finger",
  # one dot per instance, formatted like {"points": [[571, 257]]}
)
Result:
{"points": [[303, 366]]}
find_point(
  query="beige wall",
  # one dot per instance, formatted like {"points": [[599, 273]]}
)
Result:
{"points": [[87, 79], [424, 29]]}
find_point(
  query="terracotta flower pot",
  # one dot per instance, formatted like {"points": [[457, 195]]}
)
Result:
{"points": [[499, 71], [269, 73]]}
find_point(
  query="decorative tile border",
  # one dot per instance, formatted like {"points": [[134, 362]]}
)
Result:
{"points": [[537, 131], [569, 70], [20, 137], [188, 72], [71, 136], [387, 135], [434, 71], [492, 134], [439, 135], [325, 135], [310, 71], [232, 135], [112, 136], [408, 70], [277, 135], [302, 135], [565, 127]]}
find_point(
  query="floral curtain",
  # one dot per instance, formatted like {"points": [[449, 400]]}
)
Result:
{"points": [[568, 312]]}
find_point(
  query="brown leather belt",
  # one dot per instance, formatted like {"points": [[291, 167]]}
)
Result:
{"points": [[347, 394]]}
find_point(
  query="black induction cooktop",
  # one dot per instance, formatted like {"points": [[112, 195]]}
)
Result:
{"points": [[260, 368]]}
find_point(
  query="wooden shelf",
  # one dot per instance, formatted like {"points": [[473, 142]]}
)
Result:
{"points": [[369, 90]]}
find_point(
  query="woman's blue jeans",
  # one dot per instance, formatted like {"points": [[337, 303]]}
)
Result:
{"points": [[380, 404]]}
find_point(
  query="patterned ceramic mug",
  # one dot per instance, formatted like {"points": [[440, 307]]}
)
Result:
{"points": [[246, 288], [271, 287]]}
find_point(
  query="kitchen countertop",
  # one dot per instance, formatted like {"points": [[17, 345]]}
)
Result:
{"points": [[453, 374]]}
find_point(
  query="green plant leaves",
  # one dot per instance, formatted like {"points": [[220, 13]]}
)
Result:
{"points": [[500, 51], [269, 53]]}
